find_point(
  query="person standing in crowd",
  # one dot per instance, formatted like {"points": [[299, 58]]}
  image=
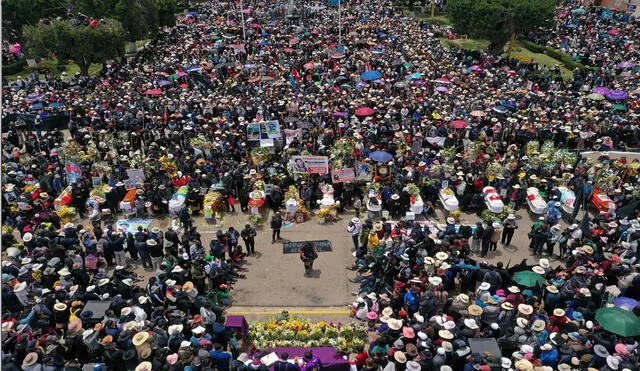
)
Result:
{"points": [[276, 225], [248, 235], [308, 255], [509, 228]]}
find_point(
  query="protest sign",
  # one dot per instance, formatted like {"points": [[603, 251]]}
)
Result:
{"points": [[310, 164], [343, 175]]}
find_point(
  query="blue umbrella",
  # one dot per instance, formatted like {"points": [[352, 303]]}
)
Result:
{"points": [[371, 75], [510, 105], [37, 106], [55, 105], [193, 68], [625, 303], [414, 76], [380, 156], [500, 109], [164, 82], [578, 11]]}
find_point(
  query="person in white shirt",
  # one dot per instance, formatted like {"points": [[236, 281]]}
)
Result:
{"points": [[354, 227]]}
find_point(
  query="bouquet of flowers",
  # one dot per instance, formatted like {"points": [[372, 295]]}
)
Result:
{"points": [[413, 189], [294, 332], [494, 169], [260, 155], [344, 147], [215, 199], [66, 212], [449, 153], [201, 143], [256, 219], [473, 150], [488, 216], [532, 147]]}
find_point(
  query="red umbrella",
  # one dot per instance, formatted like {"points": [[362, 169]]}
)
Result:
{"points": [[287, 50], [364, 111], [255, 79], [294, 41], [153, 92], [183, 86], [337, 55], [443, 80], [458, 124], [613, 32], [255, 25], [309, 66]]}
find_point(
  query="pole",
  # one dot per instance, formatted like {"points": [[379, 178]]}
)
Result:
{"points": [[244, 32], [339, 22]]}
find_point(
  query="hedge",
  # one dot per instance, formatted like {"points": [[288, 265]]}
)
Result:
{"points": [[553, 53], [14, 68]]}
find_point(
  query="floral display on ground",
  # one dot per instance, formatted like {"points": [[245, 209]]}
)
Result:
{"points": [[299, 332]]}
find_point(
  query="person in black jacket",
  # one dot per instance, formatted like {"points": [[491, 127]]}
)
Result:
{"points": [[276, 224]]}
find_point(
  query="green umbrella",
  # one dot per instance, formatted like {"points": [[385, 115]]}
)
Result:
{"points": [[528, 278], [619, 107], [594, 96], [619, 321], [173, 77], [408, 64]]}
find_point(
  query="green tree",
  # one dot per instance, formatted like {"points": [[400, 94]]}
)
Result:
{"points": [[167, 10], [18, 13], [82, 44], [140, 18], [499, 20]]}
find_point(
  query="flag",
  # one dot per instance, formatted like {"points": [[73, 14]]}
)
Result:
{"points": [[294, 84], [295, 74]]}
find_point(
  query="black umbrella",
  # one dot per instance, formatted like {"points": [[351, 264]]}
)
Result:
{"points": [[628, 210]]}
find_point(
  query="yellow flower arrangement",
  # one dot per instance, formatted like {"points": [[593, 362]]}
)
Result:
{"points": [[295, 332]]}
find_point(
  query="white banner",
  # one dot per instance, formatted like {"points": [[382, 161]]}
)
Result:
{"points": [[310, 164]]}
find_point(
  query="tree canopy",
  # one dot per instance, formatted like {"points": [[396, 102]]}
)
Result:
{"points": [[80, 43], [497, 20]]}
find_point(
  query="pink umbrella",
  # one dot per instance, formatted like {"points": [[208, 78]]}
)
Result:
{"points": [[364, 111], [287, 50], [615, 31], [443, 80], [15, 48], [255, 25], [293, 40], [337, 55], [247, 11], [458, 124], [309, 66], [153, 92], [180, 73], [255, 79]]}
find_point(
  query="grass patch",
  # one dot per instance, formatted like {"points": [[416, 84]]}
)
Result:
{"points": [[469, 44], [524, 54], [439, 20], [53, 66]]}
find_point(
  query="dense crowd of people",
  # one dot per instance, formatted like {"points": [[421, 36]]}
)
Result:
{"points": [[179, 111]]}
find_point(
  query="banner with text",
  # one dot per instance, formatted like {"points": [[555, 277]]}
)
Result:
{"points": [[343, 176], [310, 164]]}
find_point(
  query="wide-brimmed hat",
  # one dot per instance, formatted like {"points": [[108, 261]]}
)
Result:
{"points": [[559, 312], [552, 289], [152, 242], [400, 357], [522, 322], [140, 338], [20, 287], [513, 289], [484, 286], [475, 310], [60, 307], [388, 311], [544, 263], [146, 365], [600, 351], [172, 358], [507, 306], [394, 324], [525, 309], [175, 329], [613, 362], [538, 325], [445, 334], [538, 269], [355, 221], [408, 332], [441, 255], [30, 359], [471, 323], [413, 366], [435, 280]]}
